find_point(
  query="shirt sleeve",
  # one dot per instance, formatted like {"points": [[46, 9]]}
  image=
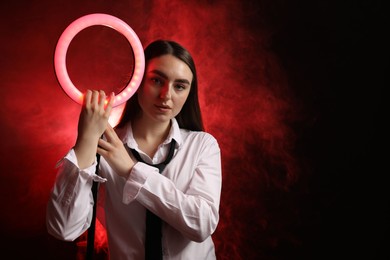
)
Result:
{"points": [[69, 209], [136, 180], [194, 211]]}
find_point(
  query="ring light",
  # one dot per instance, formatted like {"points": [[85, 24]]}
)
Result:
{"points": [[106, 20]]}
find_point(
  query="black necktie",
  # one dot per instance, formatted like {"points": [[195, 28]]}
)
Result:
{"points": [[153, 247]]}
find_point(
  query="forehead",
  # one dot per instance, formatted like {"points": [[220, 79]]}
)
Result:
{"points": [[170, 66]]}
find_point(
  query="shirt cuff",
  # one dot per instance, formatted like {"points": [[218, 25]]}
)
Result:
{"points": [[136, 181], [89, 172]]}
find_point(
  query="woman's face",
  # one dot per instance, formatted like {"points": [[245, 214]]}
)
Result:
{"points": [[165, 88]]}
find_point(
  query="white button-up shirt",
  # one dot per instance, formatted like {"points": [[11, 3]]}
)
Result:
{"points": [[186, 196]]}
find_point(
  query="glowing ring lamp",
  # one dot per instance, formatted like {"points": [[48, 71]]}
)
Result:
{"points": [[110, 21]]}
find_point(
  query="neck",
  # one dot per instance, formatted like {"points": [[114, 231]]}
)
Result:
{"points": [[150, 132]]}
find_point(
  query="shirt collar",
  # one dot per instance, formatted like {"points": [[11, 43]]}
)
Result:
{"points": [[127, 137]]}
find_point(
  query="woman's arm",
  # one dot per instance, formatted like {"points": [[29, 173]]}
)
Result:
{"points": [[69, 210]]}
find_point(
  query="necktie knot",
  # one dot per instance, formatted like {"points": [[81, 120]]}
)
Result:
{"points": [[159, 166]]}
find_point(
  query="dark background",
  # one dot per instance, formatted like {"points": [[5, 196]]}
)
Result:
{"points": [[292, 90]]}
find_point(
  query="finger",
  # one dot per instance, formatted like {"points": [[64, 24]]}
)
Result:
{"points": [[110, 134], [95, 99], [87, 98], [104, 145], [110, 104], [103, 152], [102, 98]]}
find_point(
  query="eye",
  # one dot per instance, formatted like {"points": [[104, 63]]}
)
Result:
{"points": [[180, 87], [156, 81]]}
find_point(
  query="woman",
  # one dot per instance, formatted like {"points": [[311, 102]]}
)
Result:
{"points": [[164, 114]]}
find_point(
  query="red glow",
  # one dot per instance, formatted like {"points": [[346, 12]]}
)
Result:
{"points": [[246, 101]]}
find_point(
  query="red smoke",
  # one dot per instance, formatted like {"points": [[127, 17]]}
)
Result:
{"points": [[245, 97]]}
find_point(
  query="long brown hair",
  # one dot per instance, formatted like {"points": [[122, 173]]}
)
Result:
{"points": [[190, 115]]}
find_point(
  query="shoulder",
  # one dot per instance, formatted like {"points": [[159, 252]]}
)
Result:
{"points": [[199, 138]]}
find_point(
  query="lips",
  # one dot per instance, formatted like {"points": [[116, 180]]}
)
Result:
{"points": [[163, 108]]}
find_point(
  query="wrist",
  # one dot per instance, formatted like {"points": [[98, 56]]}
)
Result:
{"points": [[89, 140], [85, 150], [126, 173]]}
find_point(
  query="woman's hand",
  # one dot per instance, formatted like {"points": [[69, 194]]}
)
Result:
{"points": [[94, 115], [93, 121], [115, 153]]}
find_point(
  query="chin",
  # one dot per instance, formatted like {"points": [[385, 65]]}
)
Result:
{"points": [[162, 118]]}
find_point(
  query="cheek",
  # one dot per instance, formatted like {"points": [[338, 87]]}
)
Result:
{"points": [[147, 92], [144, 90]]}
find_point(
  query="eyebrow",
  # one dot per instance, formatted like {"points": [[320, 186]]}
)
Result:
{"points": [[162, 74]]}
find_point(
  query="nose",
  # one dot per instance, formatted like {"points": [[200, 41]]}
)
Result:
{"points": [[165, 92]]}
